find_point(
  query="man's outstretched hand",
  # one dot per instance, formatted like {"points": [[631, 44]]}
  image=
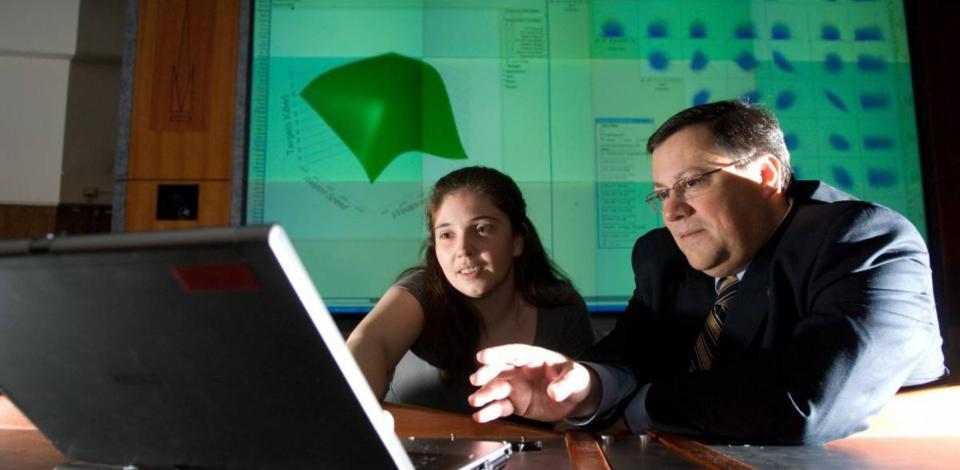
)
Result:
{"points": [[532, 382]]}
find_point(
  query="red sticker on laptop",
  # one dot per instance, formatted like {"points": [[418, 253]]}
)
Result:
{"points": [[215, 277]]}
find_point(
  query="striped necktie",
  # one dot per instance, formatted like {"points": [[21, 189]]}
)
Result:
{"points": [[706, 344]]}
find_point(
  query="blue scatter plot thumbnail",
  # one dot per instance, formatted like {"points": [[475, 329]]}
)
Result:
{"points": [[658, 60], [746, 61], [833, 62], [701, 97], [881, 178], [751, 96], [835, 100], [699, 61], [612, 29], [877, 142], [698, 30], [871, 101], [842, 177], [780, 31], [781, 62], [744, 31], [657, 29], [869, 33], [871, 63], [792, 142], [838, 142], [829, 32], [786, 99]]}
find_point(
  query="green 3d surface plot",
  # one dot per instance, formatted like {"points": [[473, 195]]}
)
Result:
{"points": [[384, 106]]}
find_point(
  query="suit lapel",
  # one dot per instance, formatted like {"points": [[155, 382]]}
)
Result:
{"points": [[753, 296], [749, 311], [752, 303], [698, 296]]}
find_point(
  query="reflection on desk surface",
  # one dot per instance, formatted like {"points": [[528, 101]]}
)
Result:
{"points": [[626, 452], [860, 453], [918, 429]]}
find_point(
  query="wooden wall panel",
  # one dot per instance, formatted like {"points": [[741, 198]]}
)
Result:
{"points": [[23, 221], [75, 219], [181, 127], [141, 208], [183, 98]]}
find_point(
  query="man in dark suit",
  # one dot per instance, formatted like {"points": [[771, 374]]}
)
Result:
{"points": [[768, 310]]}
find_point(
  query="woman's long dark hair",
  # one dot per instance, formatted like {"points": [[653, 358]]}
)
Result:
{"points": [[452, 326]]}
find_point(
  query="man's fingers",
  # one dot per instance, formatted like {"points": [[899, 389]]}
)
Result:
{"points": [[575, 379], [519, 355], [496, 390], [489, 372], [497, 409]]}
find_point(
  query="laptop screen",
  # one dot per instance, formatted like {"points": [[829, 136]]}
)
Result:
{"points": [[201, 348]]}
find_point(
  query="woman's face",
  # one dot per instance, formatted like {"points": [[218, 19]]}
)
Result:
{"points": [[475, 244]]}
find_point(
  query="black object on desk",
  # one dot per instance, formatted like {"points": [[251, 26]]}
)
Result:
{"points": [[196, 348]]}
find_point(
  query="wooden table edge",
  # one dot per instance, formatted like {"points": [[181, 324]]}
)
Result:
{"points": [[698, 453]]}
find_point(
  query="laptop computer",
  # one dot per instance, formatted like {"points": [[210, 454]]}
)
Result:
{"points": [[202, 348]]}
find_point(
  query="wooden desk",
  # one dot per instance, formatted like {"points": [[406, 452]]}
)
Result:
{"points": [[414, 421], [583, 451], [22, 446], [918, 429]]}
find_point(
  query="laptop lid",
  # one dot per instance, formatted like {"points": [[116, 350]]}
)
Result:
{"points": [[199, 348]]}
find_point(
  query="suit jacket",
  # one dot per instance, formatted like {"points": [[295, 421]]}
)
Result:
{"points": [[832, 316]]}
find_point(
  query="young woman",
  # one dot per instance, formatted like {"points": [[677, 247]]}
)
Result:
{"points": [[486, 280]]}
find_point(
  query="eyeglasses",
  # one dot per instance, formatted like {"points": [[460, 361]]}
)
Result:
{"points": [[688, 186]]}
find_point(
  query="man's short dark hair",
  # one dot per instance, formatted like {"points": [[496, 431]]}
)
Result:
{"points": [[741, 130]]}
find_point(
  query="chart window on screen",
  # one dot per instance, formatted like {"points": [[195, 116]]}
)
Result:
{"points": [[358, 107]]}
